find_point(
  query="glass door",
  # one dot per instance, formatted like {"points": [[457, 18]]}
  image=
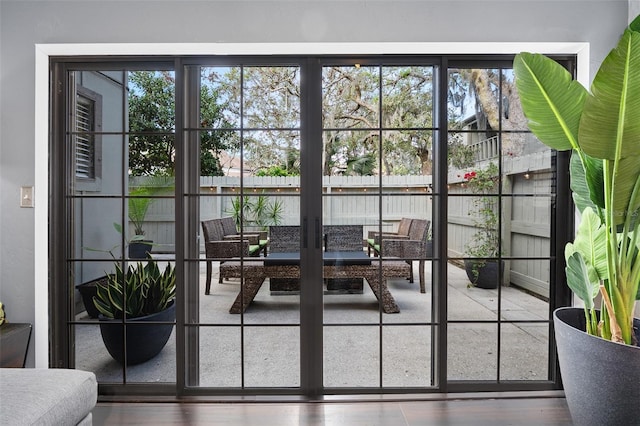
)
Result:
{"points": [[377, 161], [319, 213], [247, 138]]}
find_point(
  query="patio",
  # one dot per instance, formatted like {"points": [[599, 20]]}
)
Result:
{"points": [[271, 354]]}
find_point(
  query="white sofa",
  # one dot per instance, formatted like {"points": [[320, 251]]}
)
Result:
{"points": [[56, 396]]}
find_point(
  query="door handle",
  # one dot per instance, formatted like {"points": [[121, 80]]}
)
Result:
{"points": [[305, 237], [317, 237]]}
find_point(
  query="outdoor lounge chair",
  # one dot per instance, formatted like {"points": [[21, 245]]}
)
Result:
{"points": [[217, 247], [412, 248], [374, 237], [230, 232]]}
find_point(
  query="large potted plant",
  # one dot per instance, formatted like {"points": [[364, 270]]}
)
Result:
{"points": [[597, 348], [142, 294], [481, 265]]}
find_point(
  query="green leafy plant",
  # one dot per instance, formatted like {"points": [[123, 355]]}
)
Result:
{"points": [[602, 129], [140, 199], [143, 290], [485, 242], [258, 211]]}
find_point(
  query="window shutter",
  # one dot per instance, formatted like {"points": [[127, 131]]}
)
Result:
{"points": [[85, 142]]}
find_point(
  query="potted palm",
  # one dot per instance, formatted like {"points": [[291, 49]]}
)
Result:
{"points": [[142, 293], [482, 266], [140, 199], [597, 345]]}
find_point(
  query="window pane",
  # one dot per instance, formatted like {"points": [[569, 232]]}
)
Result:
{"points": [[407, 97], [350, 97]]}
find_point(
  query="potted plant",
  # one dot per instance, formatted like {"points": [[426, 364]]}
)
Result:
{"points": [[143, 293], [140, 199], [481, 265], [597, 348]]}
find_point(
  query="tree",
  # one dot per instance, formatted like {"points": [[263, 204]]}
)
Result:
{"points": [[493, 96], [352, 100], [152, 126]]}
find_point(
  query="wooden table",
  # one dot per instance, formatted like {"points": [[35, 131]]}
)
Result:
{"points": [[286, 265], [14, 342]]}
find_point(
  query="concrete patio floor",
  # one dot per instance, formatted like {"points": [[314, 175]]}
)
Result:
{"points": [[352, 353]]}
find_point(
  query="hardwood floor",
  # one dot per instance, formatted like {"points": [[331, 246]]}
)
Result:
{"points": [[534, 411]]}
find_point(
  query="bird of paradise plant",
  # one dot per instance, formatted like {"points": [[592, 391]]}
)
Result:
{"points": [[602, 129]]}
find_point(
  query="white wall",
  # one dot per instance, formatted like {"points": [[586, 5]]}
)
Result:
{"points": [[23, 24]]}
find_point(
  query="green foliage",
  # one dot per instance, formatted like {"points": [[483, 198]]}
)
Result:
{"points": [[256, 211], [602, 128], [152, 125], [276, 171], [143, 290], [140, 200], [461, 155], [485, 242]]}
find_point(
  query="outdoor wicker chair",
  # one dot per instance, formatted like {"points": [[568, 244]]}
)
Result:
{"points": [[230, 232], [284, 239], [374, 237], [219, 248], [412, 248]]}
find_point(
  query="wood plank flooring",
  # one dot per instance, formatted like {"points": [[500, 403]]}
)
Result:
{"points": [[476, 412]]}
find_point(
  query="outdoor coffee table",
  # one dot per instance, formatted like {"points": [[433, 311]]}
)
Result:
{"points": [[337, 265]]}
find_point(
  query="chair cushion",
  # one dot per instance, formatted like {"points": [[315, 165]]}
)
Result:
{"points": [[371, 241], [254, 249], [53, 396]]}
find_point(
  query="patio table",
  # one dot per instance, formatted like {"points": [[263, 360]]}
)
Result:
{"points": [[337, 265]]}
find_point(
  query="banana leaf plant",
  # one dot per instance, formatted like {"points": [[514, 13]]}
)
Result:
{"points": [[602, 129]]}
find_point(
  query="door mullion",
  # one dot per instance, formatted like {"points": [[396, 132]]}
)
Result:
{"points": [[311, 335]]}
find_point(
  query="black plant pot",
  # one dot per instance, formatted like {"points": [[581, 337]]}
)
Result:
{"points": [[87, 291], [140, 249], [601, 379], [488, 276], [144, 341]]}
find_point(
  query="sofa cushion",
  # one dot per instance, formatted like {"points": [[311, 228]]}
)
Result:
{"points": [[46, 396]]}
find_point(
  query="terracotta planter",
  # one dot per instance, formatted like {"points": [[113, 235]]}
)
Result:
{"points": [[143, 341], [601, 379]]}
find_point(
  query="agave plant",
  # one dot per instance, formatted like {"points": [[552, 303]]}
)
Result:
{"points": [[143, 290], [602, 129]]}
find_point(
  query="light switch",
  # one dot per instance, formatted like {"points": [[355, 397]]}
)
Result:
{"points": [[26, 196]]}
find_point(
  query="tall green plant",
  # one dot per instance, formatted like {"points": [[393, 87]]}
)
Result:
{"points": [[485, 242], [141, 197], [602, 129]]}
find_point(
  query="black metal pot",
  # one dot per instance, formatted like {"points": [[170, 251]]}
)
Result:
{"points": [[140, 249], [488, 276], [87, 291], [144, 341], [601, 378]]}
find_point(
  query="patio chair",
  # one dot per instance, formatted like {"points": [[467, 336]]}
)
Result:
{"points": [[230, 232], [284, 239], [374, 237], [412, 248], [217, 247], [343, 238]]}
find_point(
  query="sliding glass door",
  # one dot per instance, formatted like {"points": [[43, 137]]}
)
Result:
{"points": [[377, 161], [246, 140], [327, 220]]}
